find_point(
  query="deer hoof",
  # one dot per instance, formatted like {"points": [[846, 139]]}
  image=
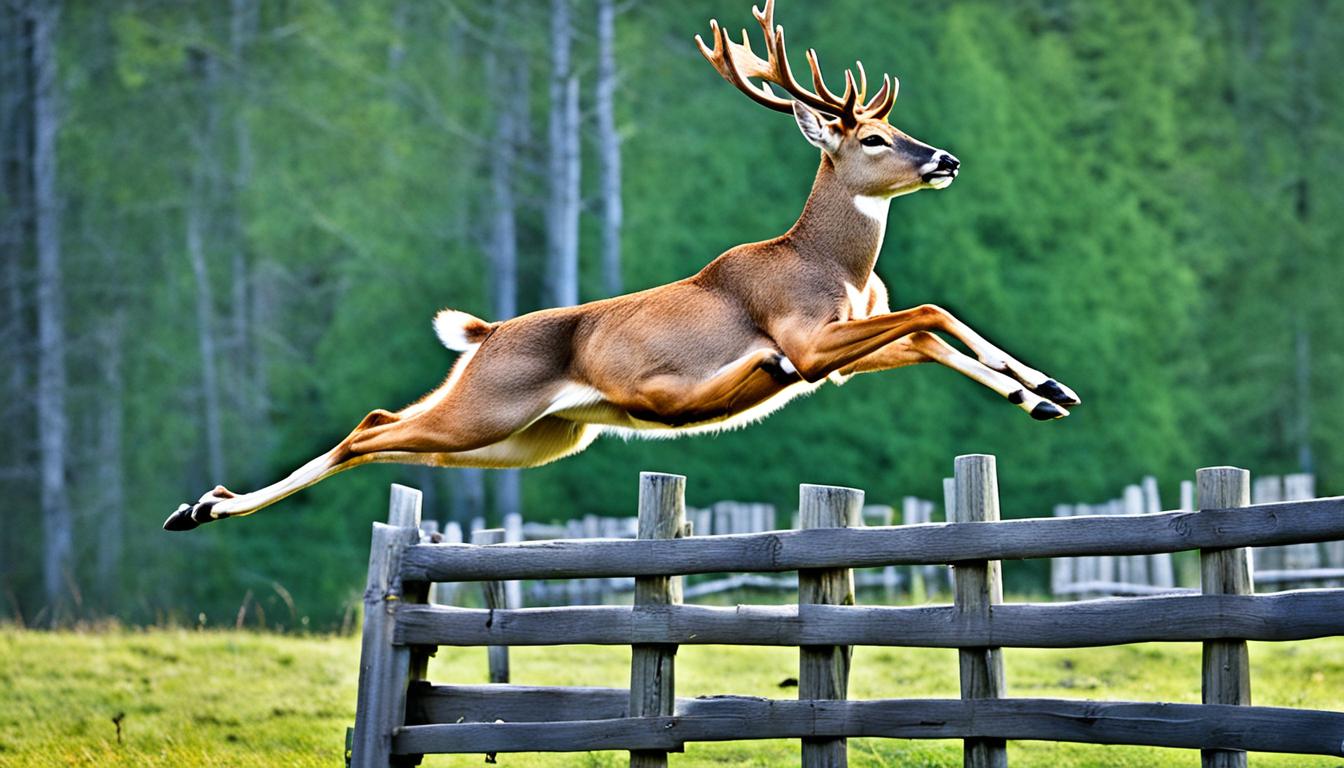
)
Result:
{"points": [[1046, 410], [189, 516], [1057, 393]]}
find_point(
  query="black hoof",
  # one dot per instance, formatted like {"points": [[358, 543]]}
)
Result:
{"points": [[1057, 393], [189, 516], [1045, 411]]}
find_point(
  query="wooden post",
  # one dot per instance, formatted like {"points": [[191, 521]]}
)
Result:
{"points": [[1227, 667], [823, 670], [662, 515], [385, 669], [496, 598], [979, 585]]}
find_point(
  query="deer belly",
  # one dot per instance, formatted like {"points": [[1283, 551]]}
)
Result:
{"points": [[583, 403], [742, 418]]}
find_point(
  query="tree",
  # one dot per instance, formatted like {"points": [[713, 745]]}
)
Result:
{"points": [[608, 147], [562, 166], [52, 424]]}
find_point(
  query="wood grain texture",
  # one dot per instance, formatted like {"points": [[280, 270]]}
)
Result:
{"points": [[1227, 663], [823, 670], [933, 543], [978, 588], [384, 668], [428, 704], [662, 515], [732, 718], [1298, 615]]}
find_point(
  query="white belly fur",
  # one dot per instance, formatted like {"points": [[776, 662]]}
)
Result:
{"points": [[582, 403]]}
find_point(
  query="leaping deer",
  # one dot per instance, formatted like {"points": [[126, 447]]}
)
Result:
{"points": [[760, 325]]}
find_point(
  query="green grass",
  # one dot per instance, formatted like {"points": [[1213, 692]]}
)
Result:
{"points": [[246, 699]]}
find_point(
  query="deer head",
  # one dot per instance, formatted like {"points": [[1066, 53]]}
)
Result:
{"points": [[870, 156]]}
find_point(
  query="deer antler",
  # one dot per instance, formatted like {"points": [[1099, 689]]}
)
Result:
{"points": [[739, 66]]}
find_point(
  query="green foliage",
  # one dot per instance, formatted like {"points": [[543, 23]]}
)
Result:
{"points": [[1146, 212]]}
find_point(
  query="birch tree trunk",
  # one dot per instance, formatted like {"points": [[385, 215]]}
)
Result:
{"points": [[198, 198], [57, 523], [608, 147], [511, 110], [562, 167]]}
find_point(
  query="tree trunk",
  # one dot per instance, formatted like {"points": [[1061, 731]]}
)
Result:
{"points": [[608, 147], [562, 210], [205, 332], [198, 197], [510, 114], [57, 523], [468, 494], [111, 507]]}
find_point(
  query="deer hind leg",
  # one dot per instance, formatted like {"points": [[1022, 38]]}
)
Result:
{"points": [[925, 347], [483, 406], [743, 383]]}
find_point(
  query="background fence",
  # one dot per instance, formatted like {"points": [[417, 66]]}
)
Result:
{"points": [[1292, 565], [401, 714], [719, 519]]}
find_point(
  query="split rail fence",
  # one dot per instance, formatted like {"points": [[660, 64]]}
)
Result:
{"points": [[1294, 565], [719, 519], [401, 715]]}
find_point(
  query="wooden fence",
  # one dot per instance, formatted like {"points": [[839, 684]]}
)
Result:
{"points": [[401, 715], [1294, 565], [721, 518]]}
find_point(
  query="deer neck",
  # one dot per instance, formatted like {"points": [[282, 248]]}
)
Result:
{"points": [[840, 227]]}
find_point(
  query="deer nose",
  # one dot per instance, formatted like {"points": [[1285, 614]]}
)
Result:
{"points": [[947, 161]]}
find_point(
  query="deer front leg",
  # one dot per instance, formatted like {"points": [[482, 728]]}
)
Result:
{"points": [[925, 347], [816, 352], [840, 343], [1001, 361]]}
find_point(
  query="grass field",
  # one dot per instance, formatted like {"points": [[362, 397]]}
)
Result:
{"points": [[220, 698]]}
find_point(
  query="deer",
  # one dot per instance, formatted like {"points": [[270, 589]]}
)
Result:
{"points": [[759, 326]]}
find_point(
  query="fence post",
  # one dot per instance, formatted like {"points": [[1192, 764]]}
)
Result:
{"points": [[385, 669], [662, 515], [823, 670], [496, 598], [979, 585], [1227, 670]]}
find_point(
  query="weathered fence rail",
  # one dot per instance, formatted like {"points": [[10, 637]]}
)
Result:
{"points": [[401, 716], [1317, 520]]}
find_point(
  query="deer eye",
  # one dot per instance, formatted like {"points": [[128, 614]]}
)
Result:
{"points": [[873, 140]]}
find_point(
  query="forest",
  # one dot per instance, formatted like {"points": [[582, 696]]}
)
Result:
{"points": [[225, 227]]}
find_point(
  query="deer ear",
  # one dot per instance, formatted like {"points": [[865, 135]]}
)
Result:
{"points": [[820, 132]]}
